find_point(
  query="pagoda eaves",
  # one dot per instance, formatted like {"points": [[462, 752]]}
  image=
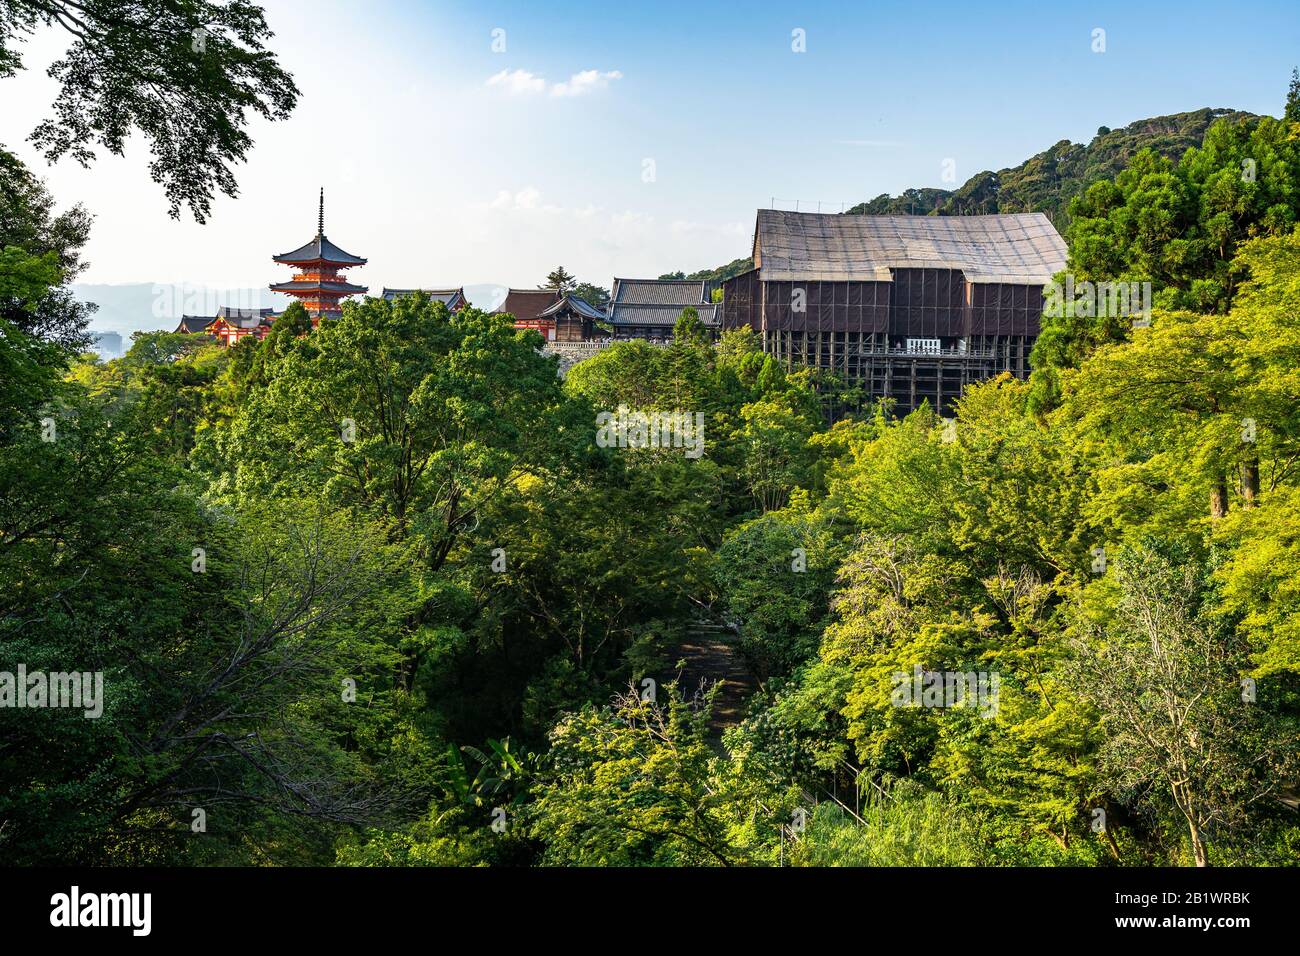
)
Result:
{"points": [[320, 249], [318, 284]]}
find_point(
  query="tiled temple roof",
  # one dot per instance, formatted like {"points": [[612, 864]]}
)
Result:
{"points": [[527, 304], [660, 301], [1019, 248], [451, 298]]}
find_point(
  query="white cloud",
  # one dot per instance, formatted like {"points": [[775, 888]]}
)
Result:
{"points": [[585, 82], [525, 198], [524, 83], [517, 82]]}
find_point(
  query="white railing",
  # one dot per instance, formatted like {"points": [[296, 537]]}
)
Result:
{"points": [[588, 349], [575, 349], [926, 353]]}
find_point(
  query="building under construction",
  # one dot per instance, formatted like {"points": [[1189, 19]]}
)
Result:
{"points": [[913, 308]]}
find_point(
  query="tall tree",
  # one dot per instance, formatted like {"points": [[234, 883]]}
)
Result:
{"points": [[1176, 718], [29, 223], [559, 280], [594, 294], [629, 784], [188, 74], [411, 416]]}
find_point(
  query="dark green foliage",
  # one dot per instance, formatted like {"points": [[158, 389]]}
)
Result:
{"points": [[1048, 181], [775, 575], [910, 202], [32, 230], [380, 592], [187, 75], [559, 280], [592, 294], [733, 268], [1176, 224]]}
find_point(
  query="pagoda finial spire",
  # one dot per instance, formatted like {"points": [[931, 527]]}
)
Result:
{"points": [[318, 284]]}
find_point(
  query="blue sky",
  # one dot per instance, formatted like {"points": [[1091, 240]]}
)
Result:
{"points": [[443, 175]]}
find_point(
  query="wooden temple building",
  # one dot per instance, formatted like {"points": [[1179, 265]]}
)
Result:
{"points": [[559, 317], [230, 326], [912, 307], [649, 308], [638, 309], [453, 299], [319, 284]]}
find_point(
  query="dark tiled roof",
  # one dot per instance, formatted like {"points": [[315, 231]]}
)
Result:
{"points": [[320, 249], [247, 321], [679, 292], [1019, 248], [193, 323], [240, 318], [665, 315], [345, 287], [527, 304], [660, 301], [581, 306], [451, 298]]}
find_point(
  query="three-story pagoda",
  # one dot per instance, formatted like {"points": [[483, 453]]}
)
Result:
{"points": [[319, 284]]}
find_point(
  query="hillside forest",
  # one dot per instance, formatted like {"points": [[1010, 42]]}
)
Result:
{"points": [[374, 593]]}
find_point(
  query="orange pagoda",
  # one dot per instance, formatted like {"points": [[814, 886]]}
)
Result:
{"points": [[319, 286]]}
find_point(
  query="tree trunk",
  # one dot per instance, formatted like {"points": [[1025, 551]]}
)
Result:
{"points": [[1198, 845], [1219, 497], [1110, 842], [1249, 482]]}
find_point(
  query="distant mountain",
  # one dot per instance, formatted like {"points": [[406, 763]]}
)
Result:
{"points": [[733, 268], [1047, 182], [1044, 183]]}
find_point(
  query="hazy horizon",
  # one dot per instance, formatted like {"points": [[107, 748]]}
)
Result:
{"points": [[126, 307]]}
